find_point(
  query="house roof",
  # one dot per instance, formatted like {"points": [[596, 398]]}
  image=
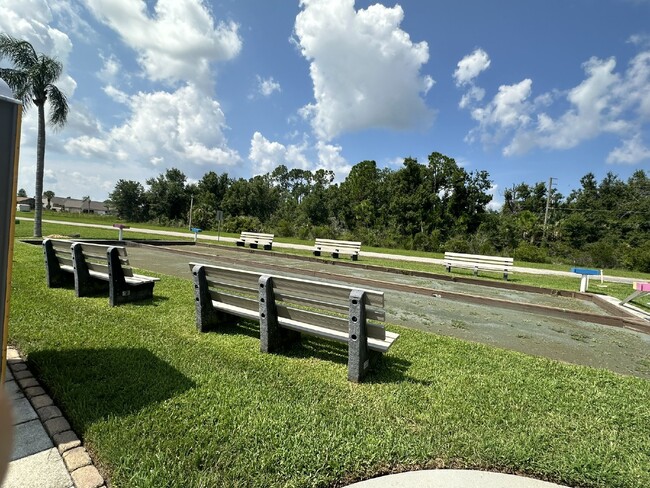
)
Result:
{"points": [[76, 203]]}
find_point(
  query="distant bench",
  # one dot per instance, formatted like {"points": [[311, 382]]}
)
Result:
{"points": [[95, 268], [478, 262], [640, 289], [286, 307], [585, 274], [337, 247], [256, 239]]}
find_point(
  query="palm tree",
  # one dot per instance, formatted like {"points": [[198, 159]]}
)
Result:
{"points": [[32, 81], [49, 195]]}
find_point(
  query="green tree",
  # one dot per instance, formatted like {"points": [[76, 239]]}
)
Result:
{"points": [[129, 201], [32, 80], [168, 197], [22, 193], [49, 195]]}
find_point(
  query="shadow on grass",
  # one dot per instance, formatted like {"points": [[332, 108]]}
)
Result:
{"points": [[386, 369], [92, 384]]}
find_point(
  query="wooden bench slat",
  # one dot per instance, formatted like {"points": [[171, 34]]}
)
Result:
{"points": [[244, 303], [64, 260], [234, 310], [90, 248], [371, 313], [61, 245], [334, 335], [286, 285], [338, 243]]}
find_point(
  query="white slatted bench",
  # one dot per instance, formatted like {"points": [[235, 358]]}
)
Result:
{"points": [[478, 262], [337, 247], [96, 268], [287, 307], [256, 239]]}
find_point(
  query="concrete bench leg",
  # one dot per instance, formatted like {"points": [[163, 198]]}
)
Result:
{"points": [[207, 318], [240, 243], [268, 247], [335, 255], [354, 257], [584, 283], [359, 355], [119, 290], [316, 253], [272, 336], [55, 277], [84, 284]]}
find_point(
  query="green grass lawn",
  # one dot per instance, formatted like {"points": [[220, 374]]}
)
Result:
{"points": [[159, 404]]}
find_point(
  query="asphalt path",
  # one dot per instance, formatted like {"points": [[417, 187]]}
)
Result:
{"points": [[280, 245]]}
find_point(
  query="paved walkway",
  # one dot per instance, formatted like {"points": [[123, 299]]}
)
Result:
{"points": [[45, 452]]}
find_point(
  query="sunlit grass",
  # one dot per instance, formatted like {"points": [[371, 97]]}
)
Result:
{"points": [[160, 404]]}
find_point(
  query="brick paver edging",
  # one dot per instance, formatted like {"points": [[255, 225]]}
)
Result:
{"points": [[75, 457]]}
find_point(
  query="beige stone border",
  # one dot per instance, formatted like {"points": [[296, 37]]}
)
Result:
{"points": [[83, 472]]}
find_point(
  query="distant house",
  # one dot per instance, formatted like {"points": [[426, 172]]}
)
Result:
{"points": [[74, 205], [23, 201]]}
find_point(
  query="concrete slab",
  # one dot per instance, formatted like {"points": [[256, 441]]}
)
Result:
{"points": [[453, 478], [8, 375], [12, 390], [29, 438], [42, 470], [22, 410]]}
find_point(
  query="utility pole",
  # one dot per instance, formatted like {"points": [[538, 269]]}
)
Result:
{"points": [[548, 203], [191, 205]]}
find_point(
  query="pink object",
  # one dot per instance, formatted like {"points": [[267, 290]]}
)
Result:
{"points": [[642, 286]]}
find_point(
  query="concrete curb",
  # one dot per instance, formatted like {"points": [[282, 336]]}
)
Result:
{"points": [[83, 472]]}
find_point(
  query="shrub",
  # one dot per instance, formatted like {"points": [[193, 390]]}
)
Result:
{"points": [[531, 253], [242, 223]]}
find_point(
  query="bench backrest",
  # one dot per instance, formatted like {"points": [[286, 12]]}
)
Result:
{"points": [[478, 259], [320, 304], [62, 250], [246, 236], [344, 245], [95, 257]]}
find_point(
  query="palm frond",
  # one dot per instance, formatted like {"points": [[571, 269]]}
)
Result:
{"points": [[21, 53], [19, 83], [58, 106]]}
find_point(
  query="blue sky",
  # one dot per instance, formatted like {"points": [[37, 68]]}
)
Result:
{"points": [[525, 90]]}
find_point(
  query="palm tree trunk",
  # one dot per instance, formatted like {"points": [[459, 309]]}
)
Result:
{"points": [[40, 168]]}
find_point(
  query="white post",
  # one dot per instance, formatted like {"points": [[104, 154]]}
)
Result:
{"points": [[120, 237], [584, 283]]}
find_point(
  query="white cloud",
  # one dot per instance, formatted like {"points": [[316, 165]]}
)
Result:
{"points": [[605, 102], [266, 155], [177, 42], [364, 68], [268, 86], [632, 151], [471, 66], [29, 20], [184, 128], [110, 69]]}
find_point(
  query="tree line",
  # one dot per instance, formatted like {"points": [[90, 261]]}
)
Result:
{"points": [[436, 206]]}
